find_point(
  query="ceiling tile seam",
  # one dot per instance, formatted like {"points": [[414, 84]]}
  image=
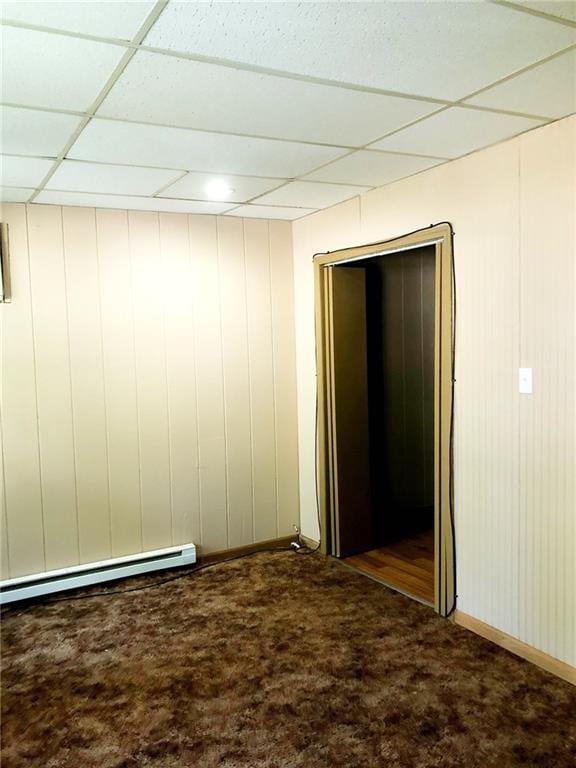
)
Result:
{"points": [[334, 205], [50, 110], [289, 75], [261, 194], [370, 148], [217, 132], [518, 72], [152, 167], [460, 102], [185, 171], [110, 118], [344, 85], [507, 112], [534, 12], [381, 186], [118, 41], [165, 199], [245, 66], [253, 200], [170, 183], [303, 178], [402, 128], [143, 30], [265, 137]]}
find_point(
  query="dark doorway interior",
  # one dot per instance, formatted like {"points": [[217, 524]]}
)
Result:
{"points": [[400, 330], [400, 313]]}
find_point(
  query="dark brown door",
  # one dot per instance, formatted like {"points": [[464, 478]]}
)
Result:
{"points": [[350, 448]]}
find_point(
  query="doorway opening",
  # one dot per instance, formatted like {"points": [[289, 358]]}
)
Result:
{"points": [[385, 362]]}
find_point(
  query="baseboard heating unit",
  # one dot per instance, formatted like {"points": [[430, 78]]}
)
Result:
{"points": [[76, 576]]}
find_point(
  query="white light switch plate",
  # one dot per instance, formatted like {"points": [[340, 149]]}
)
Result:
{"points": [[525, 381]]}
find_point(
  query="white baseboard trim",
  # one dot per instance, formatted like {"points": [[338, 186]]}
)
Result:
{"points": [[45, 583], [549, 663]]}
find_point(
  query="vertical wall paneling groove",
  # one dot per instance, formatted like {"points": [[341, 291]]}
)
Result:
{"points": [[86, 370], [284, 362], [158, 352], [514, 255], [55, 420], [151, 388], [208, 346], [236, 380], [22, 486], [261, 366], [120, 381], [175, 285]]}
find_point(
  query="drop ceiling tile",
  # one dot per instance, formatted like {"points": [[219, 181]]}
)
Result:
{"points": [[455, 132], [269, 212], [440, 49], [15, 194], [77, 176], [31, 132], [548, 89], [103, 19], [372, 168], [309, 194], [23, 171], [126, 202], [54, 71], [138, 144], [184, 93], [564, 9], [193, 187]]}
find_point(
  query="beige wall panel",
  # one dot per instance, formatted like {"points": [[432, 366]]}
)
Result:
{"points": [[22, 489], [87, 375], [547, 437], [151, 390], [4, 556], [514, 460], [284, 361], [486, 396], [210, 396], [120, 381], [53, 386], [175, 286], [132, 364], [261, 366], [486, 426], [232, 274]]}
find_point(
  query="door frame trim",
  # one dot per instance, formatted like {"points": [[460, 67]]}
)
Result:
{"points": [[441, 236]]}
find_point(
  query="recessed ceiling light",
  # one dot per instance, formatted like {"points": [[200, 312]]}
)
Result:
{"points": [[218, 189]]}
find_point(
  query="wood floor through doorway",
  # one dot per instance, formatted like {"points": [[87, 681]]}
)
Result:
{"points": [[407, 565]]}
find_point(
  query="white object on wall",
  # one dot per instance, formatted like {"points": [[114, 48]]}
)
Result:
{"points": [[525, 381]]}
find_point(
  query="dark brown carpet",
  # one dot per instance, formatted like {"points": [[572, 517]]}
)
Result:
{"points": [[275, 661]]}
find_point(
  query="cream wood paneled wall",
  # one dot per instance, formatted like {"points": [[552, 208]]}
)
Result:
{"points": [[148, 385], [513, 208]]}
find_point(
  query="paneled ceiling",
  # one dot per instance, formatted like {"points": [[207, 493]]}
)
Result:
{"points": [[266, 109]]}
